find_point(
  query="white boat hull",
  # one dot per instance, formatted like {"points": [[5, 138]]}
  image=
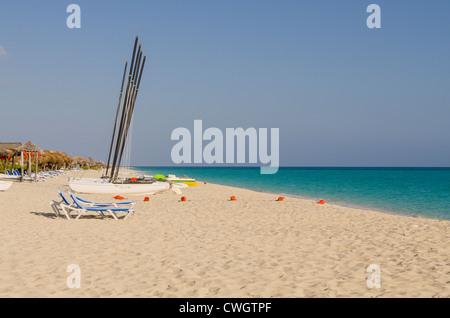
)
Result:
{"points": [[5, 185], [101, 186]]}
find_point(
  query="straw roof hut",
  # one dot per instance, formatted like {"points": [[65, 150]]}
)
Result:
{"points": [[8, 148], [56, 159], [100, 164], [78, 161], [90, 162], [29, 146]]}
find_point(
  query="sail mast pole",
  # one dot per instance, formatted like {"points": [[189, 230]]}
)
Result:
{"points": [[133, 101], [117, 117], [127, 107], [127, 92]]}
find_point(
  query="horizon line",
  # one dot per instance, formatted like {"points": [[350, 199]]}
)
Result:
{"points": [[235, 166]]}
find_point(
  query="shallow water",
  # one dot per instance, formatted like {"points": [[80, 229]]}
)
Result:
{"points": [[419, 192]]}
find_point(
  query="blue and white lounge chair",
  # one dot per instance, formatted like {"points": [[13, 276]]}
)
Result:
{"points": [[82, 206], [116, 204], [32, 176], [63, 206], [101, 209]]}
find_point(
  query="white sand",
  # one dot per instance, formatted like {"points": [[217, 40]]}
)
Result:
{"points": [[210, 246]]}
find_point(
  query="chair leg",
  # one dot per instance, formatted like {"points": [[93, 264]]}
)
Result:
{"points": [[80, 214], [65, 212], [113, 214], [55, 208], [129, 212]]}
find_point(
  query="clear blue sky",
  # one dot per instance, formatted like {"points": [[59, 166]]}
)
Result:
{"points": [[340, 93]]}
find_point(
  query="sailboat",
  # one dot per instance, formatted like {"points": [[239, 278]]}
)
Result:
{"points": [[179, 180], [120, 186], [110, 183]]}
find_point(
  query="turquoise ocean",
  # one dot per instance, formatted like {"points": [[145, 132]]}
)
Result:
{"points": [[418, 192]]}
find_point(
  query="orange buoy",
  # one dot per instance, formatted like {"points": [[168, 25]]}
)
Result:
{"points": [[233, 198], [205, 182], [118, 197], [133, 179], [321, 202], [146, 199], [280, 199], [183, 198]]}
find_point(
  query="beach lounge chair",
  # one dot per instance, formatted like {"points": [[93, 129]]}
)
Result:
{"points": [[81, 206], [116, 204], [63, 206], [101, 209], [60, 208]]}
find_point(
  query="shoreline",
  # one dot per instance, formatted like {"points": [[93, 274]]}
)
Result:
{"points": [[343, 204]]}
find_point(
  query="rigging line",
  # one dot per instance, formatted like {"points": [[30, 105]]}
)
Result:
{"points": [[124, 108], [122, 121], [133, 101], [128, 111], [117, 117], [129, 145], [131, 109], [125, 130]]}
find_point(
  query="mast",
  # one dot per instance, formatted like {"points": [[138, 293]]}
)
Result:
{"points": [[117, 116], [133, 101], [133, 81], [125, 102]]}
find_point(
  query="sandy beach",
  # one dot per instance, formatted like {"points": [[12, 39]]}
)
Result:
{"points": [[210, 246]]}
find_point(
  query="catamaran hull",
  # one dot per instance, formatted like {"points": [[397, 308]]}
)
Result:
{"points": [[188, 181], [117, 188]]}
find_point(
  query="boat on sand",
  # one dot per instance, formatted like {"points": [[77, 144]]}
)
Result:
{"points": [[126, 186], [180, 180], [110, 182]]}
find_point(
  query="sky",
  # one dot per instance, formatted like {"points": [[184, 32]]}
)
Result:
{"points": [[340, 93]]}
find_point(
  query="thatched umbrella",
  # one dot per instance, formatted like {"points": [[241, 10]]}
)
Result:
{"points": [[78, 161], [100, 164], [47, 158], [90, 162], [66, 159], [29, 147], [4, 154], [8, 148]]}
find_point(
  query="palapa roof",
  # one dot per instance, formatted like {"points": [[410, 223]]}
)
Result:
{"points": [[7, 148], [78, 159], [90, 161], [29, 146]]}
